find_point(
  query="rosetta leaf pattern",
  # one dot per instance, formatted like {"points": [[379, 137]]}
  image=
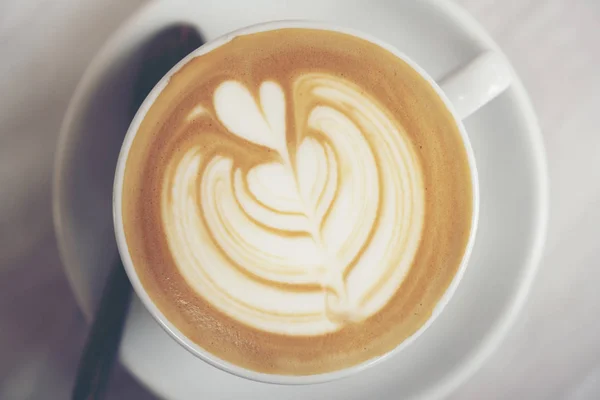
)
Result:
{"points": [[318, 234]]}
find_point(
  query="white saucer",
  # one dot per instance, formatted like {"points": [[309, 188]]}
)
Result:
{"points": [[514, 200]]}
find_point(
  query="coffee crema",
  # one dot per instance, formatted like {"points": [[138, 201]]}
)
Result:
{"points": [[297, 201]]}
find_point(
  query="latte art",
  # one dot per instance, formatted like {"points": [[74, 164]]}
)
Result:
{"points": [[296, 201], [319, 236]]}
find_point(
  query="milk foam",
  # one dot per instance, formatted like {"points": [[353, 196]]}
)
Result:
{"points": [[321, 237]]}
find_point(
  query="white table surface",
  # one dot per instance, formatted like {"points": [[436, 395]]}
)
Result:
{"points": [[553, 352]]}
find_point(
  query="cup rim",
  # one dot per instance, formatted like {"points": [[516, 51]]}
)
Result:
{"points": [[157, 314]]}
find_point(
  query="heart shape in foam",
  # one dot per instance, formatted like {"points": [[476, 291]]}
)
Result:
{"points": [[305, 242], [241, 114], [300, 188]]}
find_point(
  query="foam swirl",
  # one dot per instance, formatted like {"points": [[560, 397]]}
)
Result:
{"points": [[317, 236]]}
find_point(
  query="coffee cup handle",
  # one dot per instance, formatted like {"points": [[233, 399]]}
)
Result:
{"points": [[473, 85]]}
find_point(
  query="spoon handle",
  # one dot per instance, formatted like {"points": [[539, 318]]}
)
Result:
{"points": [[103, 342], [160, 54]]}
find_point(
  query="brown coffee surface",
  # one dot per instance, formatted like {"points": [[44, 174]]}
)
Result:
{"points": [[308, 66]]}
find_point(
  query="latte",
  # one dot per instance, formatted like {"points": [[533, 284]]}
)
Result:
{"points": [[297, 201]]}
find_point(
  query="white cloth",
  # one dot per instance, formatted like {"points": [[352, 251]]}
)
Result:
{"points": [[553, 352]]}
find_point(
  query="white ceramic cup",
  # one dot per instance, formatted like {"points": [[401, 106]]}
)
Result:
{"points": [[463, 92]]}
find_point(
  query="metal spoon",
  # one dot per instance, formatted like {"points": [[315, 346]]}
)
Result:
{"points": [[161, 53]]}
